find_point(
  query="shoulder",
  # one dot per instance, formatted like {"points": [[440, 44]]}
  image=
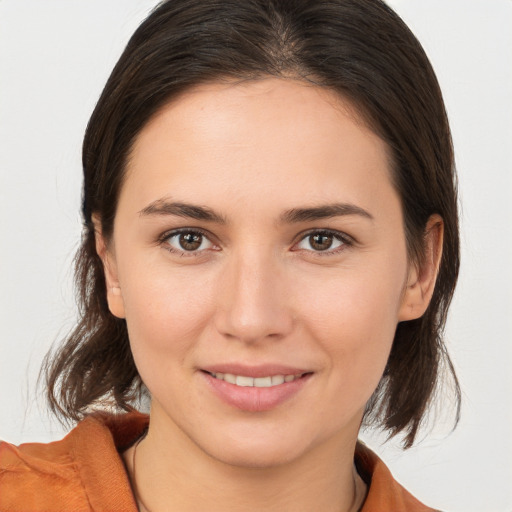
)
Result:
{"points": [[83, 471], [385, 494], [33, 475]]}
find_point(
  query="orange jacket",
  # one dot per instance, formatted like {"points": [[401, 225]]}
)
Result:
{"points": [[84, 472]]}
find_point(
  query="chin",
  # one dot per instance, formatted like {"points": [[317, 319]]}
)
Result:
{"points": [[254, 457], [254, 446]]}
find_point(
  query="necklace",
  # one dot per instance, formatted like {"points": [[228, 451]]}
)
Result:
{"points": [[141, 507]]}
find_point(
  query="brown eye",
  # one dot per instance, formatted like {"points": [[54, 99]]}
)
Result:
{"points": [[187, 241], [322, 241], [190, 241]]}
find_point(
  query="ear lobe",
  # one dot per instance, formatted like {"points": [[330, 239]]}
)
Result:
{"points": [[422, 277], [114, 295]]}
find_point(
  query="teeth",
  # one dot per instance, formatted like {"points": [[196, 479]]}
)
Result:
{"points": [[263, 382], [258, 382], [277, 379], [228, 377], [244, 381]]}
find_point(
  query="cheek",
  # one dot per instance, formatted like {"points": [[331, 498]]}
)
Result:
{"points": [[354, 319], [164, 312]]}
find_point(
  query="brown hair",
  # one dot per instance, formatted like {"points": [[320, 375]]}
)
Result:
{"points": [[358, 48]]}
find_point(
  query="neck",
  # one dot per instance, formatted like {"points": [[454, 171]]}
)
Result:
{"points": [[171, 475]]}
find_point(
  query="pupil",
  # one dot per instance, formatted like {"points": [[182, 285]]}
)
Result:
{"points": [[321, 242], [190, 241]]}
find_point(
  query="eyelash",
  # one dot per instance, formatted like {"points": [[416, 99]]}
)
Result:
{"points": [[167, 236], [345, 240]]}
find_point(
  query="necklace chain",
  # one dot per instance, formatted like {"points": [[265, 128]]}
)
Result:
{"points": [[141, 507]]}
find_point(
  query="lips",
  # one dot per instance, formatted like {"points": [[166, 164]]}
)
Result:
{"points": [[256, 388], [261, 370], [258, 382]]}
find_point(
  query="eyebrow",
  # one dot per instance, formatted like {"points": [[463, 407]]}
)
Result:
{"points": [[164, 207], [293, 216], [323, 212]]}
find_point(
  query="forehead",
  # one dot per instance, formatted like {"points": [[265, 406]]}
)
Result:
{"points": [[256, 137], [266, 100]]}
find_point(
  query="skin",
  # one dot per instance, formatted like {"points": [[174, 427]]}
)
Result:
{"points": [[258, 292]]}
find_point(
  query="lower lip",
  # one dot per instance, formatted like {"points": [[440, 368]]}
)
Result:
{"points": [[255, 399]]}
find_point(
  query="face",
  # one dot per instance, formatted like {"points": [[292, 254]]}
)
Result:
{"points": [[259, 258]]}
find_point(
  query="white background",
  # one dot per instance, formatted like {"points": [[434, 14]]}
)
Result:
{"points": [[54, 59]]}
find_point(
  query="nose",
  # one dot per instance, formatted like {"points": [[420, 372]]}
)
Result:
{"points": [[252, 302]]}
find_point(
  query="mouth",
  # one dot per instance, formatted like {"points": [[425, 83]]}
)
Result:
{"points": [[266, 389], [257, 382]]}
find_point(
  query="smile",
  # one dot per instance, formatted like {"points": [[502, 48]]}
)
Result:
{"points": [[257, 382], [265, 388]]}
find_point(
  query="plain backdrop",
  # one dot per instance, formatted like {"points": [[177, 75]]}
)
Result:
{"points": [[55, 57]]}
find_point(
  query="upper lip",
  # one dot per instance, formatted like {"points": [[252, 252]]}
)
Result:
{"points": [[262, 370]]}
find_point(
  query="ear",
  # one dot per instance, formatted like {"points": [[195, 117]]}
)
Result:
{"points": [[422, 277], [114, 296]]}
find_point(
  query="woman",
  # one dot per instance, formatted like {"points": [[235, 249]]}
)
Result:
{"points": [[270, 247]]}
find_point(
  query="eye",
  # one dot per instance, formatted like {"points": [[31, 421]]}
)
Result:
{"points": [[190, 241], [322, 241]]}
